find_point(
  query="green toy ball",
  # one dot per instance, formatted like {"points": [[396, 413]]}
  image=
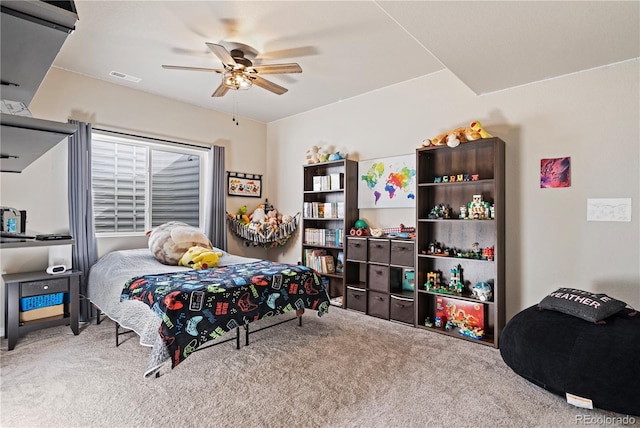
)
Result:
{"points": [[360, 224]]}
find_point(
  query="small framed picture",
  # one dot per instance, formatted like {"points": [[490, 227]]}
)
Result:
{"points": [[242, 184], [555, 172]]}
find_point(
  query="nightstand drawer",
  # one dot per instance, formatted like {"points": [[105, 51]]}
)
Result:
{"points": [[378, 305], [379, 250], [357, 249], [401, 309], [402, 253], [47, 286], [378, 278]]}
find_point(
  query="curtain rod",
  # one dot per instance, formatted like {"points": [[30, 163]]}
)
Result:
{"points": [[151, 138]]}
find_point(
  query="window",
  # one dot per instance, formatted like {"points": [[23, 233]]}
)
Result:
{"points": [[138, 185]]}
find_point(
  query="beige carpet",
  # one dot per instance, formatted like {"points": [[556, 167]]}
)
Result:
{"points": [[342, 370]]}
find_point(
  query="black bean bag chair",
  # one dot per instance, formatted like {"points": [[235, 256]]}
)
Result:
{"points": [[566, 354]]}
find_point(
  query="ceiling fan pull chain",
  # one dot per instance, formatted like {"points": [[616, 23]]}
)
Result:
{"points": [[235, 108]]}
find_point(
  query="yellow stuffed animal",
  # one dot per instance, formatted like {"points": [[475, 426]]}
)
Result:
{"points": [[477, 126], [453, 137], [200, 258]]}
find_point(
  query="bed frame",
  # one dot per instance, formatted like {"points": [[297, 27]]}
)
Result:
{"points": [[299, 313]]}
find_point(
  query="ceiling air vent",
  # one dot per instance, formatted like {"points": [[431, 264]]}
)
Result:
{"points": [[125, 76]]}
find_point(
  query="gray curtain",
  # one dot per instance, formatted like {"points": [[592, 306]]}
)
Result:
{"points": [[215, 226], [81, 227]]}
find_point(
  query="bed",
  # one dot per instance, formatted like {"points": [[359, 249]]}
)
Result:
{"points": [[176, 310]]}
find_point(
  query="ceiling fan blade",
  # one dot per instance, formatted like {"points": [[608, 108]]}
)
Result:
{"points": [[220, 91], [222, 53], [266, 84], [278, 68], [288, 53], [179, 67]]}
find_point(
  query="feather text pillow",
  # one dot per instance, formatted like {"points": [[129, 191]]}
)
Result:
{"points": [[169, 241], [582, 304]]}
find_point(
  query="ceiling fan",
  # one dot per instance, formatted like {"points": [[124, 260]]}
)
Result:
{"points": [[239, 73]]}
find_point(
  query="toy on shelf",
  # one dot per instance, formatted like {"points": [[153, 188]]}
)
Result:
{"points": [[401, 231], [433, 280], [440, 211], [438, 322], [360, 228], [376, 232], [456, 284], [315, 154], [477, 126], [488, 253], [437, 249], [428, 322], [337, 156], [454, 137], [482, 291], [478, 209], [471, 331]]}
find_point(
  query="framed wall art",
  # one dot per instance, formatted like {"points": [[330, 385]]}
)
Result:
{"points": [[243, 184], [555, 172], [387, 182]]}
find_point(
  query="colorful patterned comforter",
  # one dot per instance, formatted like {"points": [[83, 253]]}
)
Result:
{"points": [[200, 305]]}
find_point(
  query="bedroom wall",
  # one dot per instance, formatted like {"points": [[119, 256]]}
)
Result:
{"points": [[41, 188], [592, 116]]}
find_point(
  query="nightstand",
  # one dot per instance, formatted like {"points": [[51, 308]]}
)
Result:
{"points": [[31, 284]]}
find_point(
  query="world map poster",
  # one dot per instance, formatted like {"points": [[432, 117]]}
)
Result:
{"points": [[387, 182]]}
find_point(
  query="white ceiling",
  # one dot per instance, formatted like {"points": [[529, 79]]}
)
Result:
{"points": [[345, 48]]}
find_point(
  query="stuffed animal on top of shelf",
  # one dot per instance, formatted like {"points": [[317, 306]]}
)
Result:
{"points": [[337, 156], [313, 154], [477, 126], [169, 241], [454, 137]]}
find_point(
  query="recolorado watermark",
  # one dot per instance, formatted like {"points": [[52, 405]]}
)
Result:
{"points": [[605, 420]]}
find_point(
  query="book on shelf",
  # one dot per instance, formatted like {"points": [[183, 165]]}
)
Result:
{"points": [[321, 183], [336, 181], [327, 264], [317, 183], [328, 237], [340, 262]]}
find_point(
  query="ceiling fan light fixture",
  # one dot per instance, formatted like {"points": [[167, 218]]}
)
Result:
{"points": [[236, 80]]}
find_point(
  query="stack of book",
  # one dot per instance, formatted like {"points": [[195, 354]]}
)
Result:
{"points": [[325, 237], [323, 209], [322, 183], [319, 260]]}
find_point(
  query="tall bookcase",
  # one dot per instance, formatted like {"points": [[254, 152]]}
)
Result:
{"points": [[330, 208], [448, 247]]}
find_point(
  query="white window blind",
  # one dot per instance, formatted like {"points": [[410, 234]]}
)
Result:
{"points": [[138, 185]]}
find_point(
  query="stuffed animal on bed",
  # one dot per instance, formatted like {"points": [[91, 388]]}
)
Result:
{"points": [[200, 258], [169, 241]]}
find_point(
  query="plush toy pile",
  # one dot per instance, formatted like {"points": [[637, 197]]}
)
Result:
{"points": [[454, 137], [265, 220], [315, 154], [170, 241], [264, 226]]}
